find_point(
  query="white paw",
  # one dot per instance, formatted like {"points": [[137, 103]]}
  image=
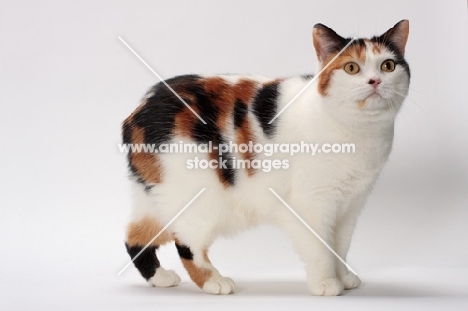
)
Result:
{"points": [[164, 278], [327, 287], [350, 281], [220, 285]]}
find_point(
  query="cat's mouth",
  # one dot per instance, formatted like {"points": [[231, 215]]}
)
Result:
{"points": [[373, 101], [374, 95]]}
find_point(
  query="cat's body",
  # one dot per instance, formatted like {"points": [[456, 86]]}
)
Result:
{"points": [[327, 190]]}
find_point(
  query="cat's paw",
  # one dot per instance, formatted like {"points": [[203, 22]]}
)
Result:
{"points": [[164, 278], [327, 287], [351, 281], [220, 285]]}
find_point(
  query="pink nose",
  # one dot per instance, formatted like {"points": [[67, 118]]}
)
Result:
{"points": [[374, 82]]}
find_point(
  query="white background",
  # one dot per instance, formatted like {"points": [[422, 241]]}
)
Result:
{"points": [[67, 82]]}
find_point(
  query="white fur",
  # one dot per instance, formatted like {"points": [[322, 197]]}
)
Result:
{"points": [[327, 190], [164, 278], [219, 285]]}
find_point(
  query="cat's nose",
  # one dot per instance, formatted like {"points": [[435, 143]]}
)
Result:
{"points": [[375, 82]]}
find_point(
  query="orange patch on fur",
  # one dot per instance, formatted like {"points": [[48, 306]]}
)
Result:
{"points": [[245, 90], [142, 232], [244, 136], [184, 122], [198, 275], [354, 53], [222, 97], [205, 256], [362, 103], [147, 165], [376, 49]]}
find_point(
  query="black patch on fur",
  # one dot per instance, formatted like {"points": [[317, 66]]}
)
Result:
{"points": [[265, 107], [228, 173], [126, 133], [184, 252], [148, 187], [307, 77], [226, 166], [147, 262], [360, 42], [157, 116], [203, 133], [240, 113], [127, 139]]}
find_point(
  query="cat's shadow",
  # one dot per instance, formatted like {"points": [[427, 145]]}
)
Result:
{"points": [[371, 289], [299, 289]]}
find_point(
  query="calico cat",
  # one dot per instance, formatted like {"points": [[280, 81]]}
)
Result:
{"points": [[354, 100]]}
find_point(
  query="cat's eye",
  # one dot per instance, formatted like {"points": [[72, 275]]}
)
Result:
{"points": [[351, 68], [388, 65]]}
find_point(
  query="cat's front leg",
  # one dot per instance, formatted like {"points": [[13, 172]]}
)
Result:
{"points": [[320, 261], [345, 225], [321, 274], [343, 234]]}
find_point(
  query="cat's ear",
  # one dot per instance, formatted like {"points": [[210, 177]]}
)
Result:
{"points": [[397, 35], [326, 42]]}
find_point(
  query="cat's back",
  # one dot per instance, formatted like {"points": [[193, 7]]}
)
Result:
{"points": [[203, 107]]}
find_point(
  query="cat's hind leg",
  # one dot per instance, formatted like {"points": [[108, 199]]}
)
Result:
{"points": [[202, 272], [140, 233]]}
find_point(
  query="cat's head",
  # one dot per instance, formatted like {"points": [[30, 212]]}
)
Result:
{"points": [[368, 79]]}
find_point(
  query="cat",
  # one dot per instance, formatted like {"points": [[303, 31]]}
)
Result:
{"points": [[354, 100]]}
